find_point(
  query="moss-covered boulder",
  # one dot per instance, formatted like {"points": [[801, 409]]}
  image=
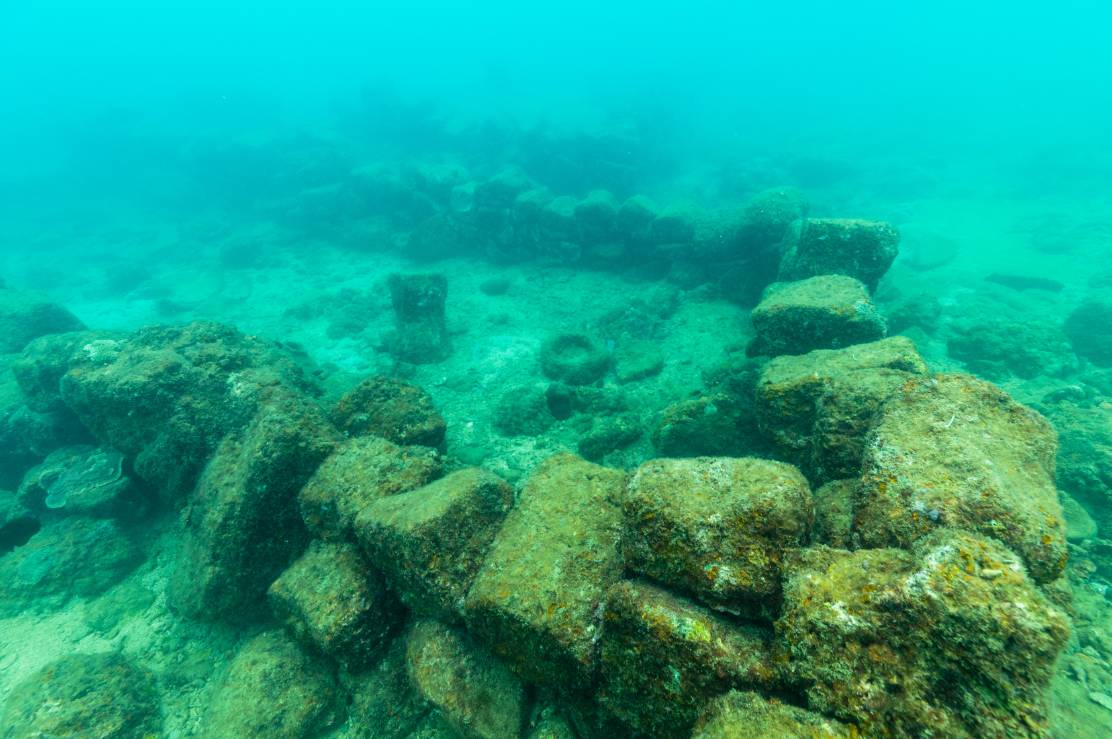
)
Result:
{"points": [[998, 348], [840, 246], [949, 639], [575, 359], [1084, 465], [85, 695], [359, 472], [834, 514], [273, 688], [25, 316], [747, 715], [716, 527], [331, 600], [816, 408], [430, 542], [392, 409], [536, 600], [716, 424], [953, 451], [609, 434], [827, 312], [242, 526], [475, 693], [663, 658], [28, 435]]}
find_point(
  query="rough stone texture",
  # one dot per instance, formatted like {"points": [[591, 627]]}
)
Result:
{"points": [[746, 715], [710, 425], [834, 514], [85, 695], [998, 348], [574, 359], [392, 409], [664, 657], [840, 246], [1084, 467], [609, 434], [421, 332], [827, 312], [24, 316], [17, 524], [536, 600], [954, 451], [274, 689], [359, 472], [331, 600], [949, 639], [716, 527], [43, 362], [242, 526], [522, 411], [816, 408], [383, 703], [1089, 329], [72, 557], [548, 723], [474, 692], [430, 542], [764, 223]]}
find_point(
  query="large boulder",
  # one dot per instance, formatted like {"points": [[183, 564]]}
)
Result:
{"points": [[949, 639], [24, 316], [841, 246], [953, 451], [747, 715], [709, 425], [392, 409], [716, 527], [826, 312], [537, 598]]}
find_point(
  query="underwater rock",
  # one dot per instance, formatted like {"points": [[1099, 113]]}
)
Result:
{"points": [[827, 312], [85, 695], [921, 311], [24, 316], [764, 223], [1089, 329], [608, 435], [957, 452], [82, 480], [17, 524], [536, 600], [997, 348], [329, 599], [166, 396], [383, 703], [523, 411], [745, 715], [551, 725], [497, 285], [1084, 464], [1080, 526], [27, 435], [834, 514], [421, 332], [430, 542], [474, 692], [674, 225], [637, 359], [574, 359], [948, 639], [840, 246], [634, 220], [392, 409], [73, 556], [716, 527], [710, 425], [817, 407], [359, 472], [242, 526], [664, 657], [443, 236], [595, 217], [273, 688], [40, 366]]}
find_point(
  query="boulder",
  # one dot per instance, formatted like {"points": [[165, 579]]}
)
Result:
{"points": [[392, 409], [522, 411], [709, 425], [1089, 329], [834, 514], [609, 434], [421, 331], [82, 480], [840, 246], [384, 704], [24, 316], [747, 715]]}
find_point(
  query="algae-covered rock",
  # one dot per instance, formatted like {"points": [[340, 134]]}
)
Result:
{"points": [[816, 408], [949, 639], [826, 312], [474, 692], [82, 480], [522, 411], [834, 514], [674, 225], [331, 600], [242, 526], [764, 224], [392, 409], [359, 472], [383, 703], [664, 657], [24, 316], [17, 523], [957, 452], [710, 425], [1084, 464], [1089, 328], [716, 527], [536, 600], [998, 348], [549, 723], [28, 435], [421, 331], [40, 366], [609, 434], [430, 542], [85, 695], [746, 715], [575, 359], [273, 688], [841, 246]]}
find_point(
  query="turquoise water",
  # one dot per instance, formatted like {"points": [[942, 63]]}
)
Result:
{"points": [[277, 280]]}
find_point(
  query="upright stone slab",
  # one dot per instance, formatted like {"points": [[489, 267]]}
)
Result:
{"points": [[537, 598], [841, 246], [421, 331]]}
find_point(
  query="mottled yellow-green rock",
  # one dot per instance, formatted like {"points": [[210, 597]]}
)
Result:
{"points": [[953, 451], [746, 715], [716, 527], [834, 514], [430, 542], [842, 246], [274, 689], [332, 601], [360, 472], [816, 408], [949, 639], [392, 409], [474, 692], [827, 312], [663, 658], [537, 599]]}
